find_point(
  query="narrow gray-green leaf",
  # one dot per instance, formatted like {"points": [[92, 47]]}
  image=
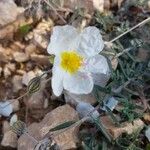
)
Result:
{"points": [[62, 126], [101, 127], [114, 119]]}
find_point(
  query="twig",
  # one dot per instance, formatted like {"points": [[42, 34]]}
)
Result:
{"points": [[55, 11], [124, 51], [118, 90], [109, 44], [15, 100], [140, 24], [26, 113], [61, 8]]}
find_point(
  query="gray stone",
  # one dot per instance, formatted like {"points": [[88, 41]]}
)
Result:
{"points": [[65, 140]]}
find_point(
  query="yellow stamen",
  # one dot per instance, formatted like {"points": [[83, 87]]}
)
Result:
{"points": [[71, 61]]}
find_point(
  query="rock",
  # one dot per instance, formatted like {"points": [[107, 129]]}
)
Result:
{"points": [[117, 3], [6, 108], [8, 12], [3, 57], [15, 105], [99, 5], [20, 72], [20, 57], [9, 138], [11, 67], [73, 4], [17, 46], [30, 66], [45, 103], [40, 33], [13, 119], [40, 41], [1, 71], [36, 101], [39, 72], [40, 59], [7, 72], [146, 117], [30, 49], [105, 5], [126, 127], [8, 31], [88, 5], [6, 126], [17, 83], [27, 77], [65, 140], [7, 51], [20, 45]]}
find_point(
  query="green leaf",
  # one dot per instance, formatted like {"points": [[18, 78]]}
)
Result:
{"points": [[24, 29], [51, 59], [148, 147], [114, 119], [122, 68], [85, 147], [62, 126], [102, 89], [104, 146]]}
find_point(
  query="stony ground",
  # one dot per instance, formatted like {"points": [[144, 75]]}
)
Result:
{"points": [[24, 35]]}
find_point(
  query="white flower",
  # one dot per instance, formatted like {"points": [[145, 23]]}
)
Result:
{"points": [[77, 58]]}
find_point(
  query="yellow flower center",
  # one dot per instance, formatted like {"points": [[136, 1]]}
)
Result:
{"points": [[71, 61]]}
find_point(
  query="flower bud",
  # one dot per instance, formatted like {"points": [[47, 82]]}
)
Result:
{"points": [[19, 127], [34, 85]]}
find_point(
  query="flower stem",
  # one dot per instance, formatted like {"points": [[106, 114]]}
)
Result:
{"points": [[15, 100], [139, 24]]}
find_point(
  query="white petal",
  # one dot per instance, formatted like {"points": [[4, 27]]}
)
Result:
{"points": [[100, 79], [99, 68], [79, 83], [97, 64], [57, 78], [5, 108], [91, 42], [63, 38]]}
